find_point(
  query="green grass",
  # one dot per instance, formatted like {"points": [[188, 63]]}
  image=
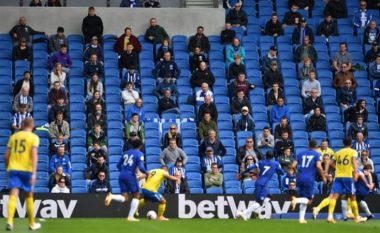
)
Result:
{"points": [[118, 225]]}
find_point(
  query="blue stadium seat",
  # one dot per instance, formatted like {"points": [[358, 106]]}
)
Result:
{"points": [[214, 191]]}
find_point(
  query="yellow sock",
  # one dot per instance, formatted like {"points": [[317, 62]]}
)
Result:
{"points": [[11, 208], [161, 209], [141, 203], [349, 209], [332, 207], [30, 210], [355, 208], [325, 202]]}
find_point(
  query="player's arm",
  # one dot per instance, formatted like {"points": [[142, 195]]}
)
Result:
{"points": [[141, 167], [294, 165], [354, 165], [34, 156], [322, 173], [170, 177], [249, 168], [370, 183], [6, 157]]}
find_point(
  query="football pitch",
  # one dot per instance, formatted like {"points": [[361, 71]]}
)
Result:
{"points": [[116, 225]]}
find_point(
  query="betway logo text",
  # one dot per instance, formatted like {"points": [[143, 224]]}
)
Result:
{"points": [[47, 208], [217, 208]]}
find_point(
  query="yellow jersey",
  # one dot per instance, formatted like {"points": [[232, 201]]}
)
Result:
{"points": [[20, 147], [154, 180], [328, 151], [343, 162]]}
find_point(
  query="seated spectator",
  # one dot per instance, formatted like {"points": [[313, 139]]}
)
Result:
{"points": [[283, 143], [62, 57], [371, 56], [25, 82], [213, 178], [56, 93], [93, 66], [22, 51], [167, 105], [57, 75], [97, 135], [128, 58], [209, 159], [173, 133], [301, 31], [163, 49], [23, 98], [94, 154], [152, 4], [202, 75], [265, 140], [292, 17], [245, 121], [290, 189], [360, 144], [178, 186], [364, 160], [55, 41], [60, 106], [273, 75], [101, 184], [362, 17], [341, 57], [358, 126], [131, 75], [273, 27], [61, 159], [236, 68], [212, 141], [199, 40], [317, 122], [128, 95], [249, 149], [329, 171], [359, 109], [328, 27], [311, 102], [59, 126], [97, 117], [136, 126], [278, 111], [237, 17], [371, 33], [202, 93], [286, 161], [337, 8], [55, 177], [171, 153], [227, 34], [137, 108], [166, 84], [19, 117], [92, 25], [53, 147], [266, 60], [346, 96], [283, 127], [344, 75], [155, 34], [233, 49], [248, 161], [305, 50], [239, 101], [311, 84], [178, 166], [21, 30], [306, 5], [303, 72], [208, 106], [123, 41], [166, 66], [205, 125], [240, 84], [35, 3], [196, 59], [100, 165], [60, 187], [374, 69], [94, 85], [325, 149], [274, 93], [53, 3]]}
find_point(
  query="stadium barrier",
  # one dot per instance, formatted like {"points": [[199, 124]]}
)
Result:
{"points": [[179, 206]]}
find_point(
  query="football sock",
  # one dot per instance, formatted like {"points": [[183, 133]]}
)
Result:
{"points": [[349, 209], [141, 203], [302, 200], [364, 207], [11, 208], [118, 198], [331, 208], [253, 208], [161, 209], [302, 211], [30, 209], [355, 208], [344, 208], [133, 208], [325, 202]]}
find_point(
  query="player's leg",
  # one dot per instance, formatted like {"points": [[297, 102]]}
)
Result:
{"points": [[325, 202], [13, 194], [355, 210], [134, 206], [161, 209], [117, 197], [260, 194], [333, 197], [363, 205], [30, 211]]}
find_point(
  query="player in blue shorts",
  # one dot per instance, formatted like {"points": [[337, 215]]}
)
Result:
{"points": [[127, 165], [267, 168], [363, 185], [307, 163]]}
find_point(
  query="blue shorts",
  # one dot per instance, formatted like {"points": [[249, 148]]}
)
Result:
{"points": [[343, 186], [306, 188], [152, 196], [20, 179], [129, 185], [261, 193]]}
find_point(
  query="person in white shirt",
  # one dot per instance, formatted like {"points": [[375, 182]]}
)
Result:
{"points": [[129, 95], [19, 117], [309, 84], [200, 95], [57, 74], [60, 187]]}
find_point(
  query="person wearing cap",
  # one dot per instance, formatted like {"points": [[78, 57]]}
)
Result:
{"points": [[239, 101], [166, 66], [273, 27], [128, 58], [362, 17], [94, 65], [236, 68], [202, 75], [227, 34], [301, 31], [372, 54], [278, 111], [266, 59], [60, 106], [166, 84], [62, 57], [337, 8], [235, 48], [23, 98], [56, 40], [245, 122], [129, 96], [328, 27], [273, 75], [196, 59], [123, 41], [25, 82], [371, 33], [208, 106], [21, 30], [212, 141], [292, 17], [237, 17], [22, 51], [171, 153], [205, 125], [210, 158], [19, 117], [311, 84], [167, 105], [135, 125], [93, 48], [306, 50], [92, 25], [173, 133]]}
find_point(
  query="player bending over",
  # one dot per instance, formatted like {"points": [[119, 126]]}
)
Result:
{"points": [[363, 185]]}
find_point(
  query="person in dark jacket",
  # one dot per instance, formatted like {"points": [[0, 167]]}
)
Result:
{"points": [[101, 184], [328, 27], [301, 4], [155, 34], [236, 68], [61, 106], [337, 8], [94, 66], [353, 112], [283, 143], [178, 186], [196, 58], [202, 75], [166, 84], [208, 106], [165, 47], [93, 48], [237, 17], [26, 81], [92, 25], [53, 3], [239, 101], [212, 141], [152, 4], [292, 17], [199, 40], [346, 96], [123, 41], [167, 105], [358, 126], [311, 102], [173, 133], [305, 50], [372, 54], [166, 66], [273, 75], [371, 33], [317, 122], [129, 58], [283, 127], [301, 31], [273, 27], [56, 40], [35, 3], [92, 171], [22, 51], [21, 30], [249, 149], [228, 34], [274, 93], [245, 122], [266, 59]]}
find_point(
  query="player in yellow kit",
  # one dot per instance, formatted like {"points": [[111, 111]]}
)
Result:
{"points": [[21, 158], [150, 190]]}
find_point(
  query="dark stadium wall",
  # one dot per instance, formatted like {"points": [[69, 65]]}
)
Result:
{"points": [[176, 21], [179, 206]]}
